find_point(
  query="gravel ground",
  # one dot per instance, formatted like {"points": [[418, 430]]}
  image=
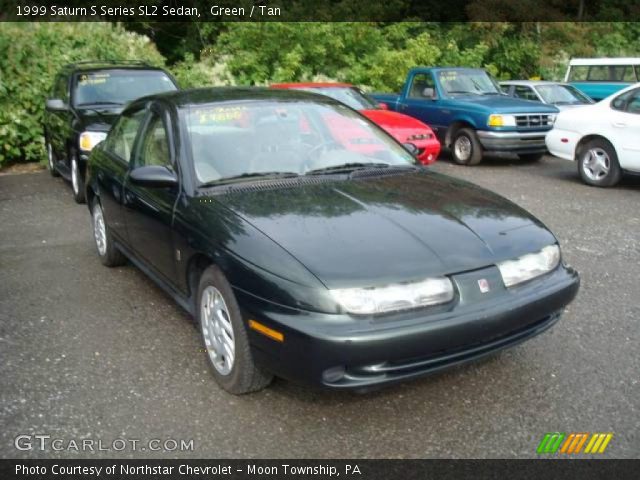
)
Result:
{"points": [[92, 353]]}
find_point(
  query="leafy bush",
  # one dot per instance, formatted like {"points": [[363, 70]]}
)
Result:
{"points": [[32, 53]]}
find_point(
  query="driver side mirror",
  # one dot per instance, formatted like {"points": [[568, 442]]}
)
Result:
{"points": [[56, 104], [154, 176], [429, 93]]}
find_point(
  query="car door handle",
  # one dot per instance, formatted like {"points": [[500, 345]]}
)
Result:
{"points": [[619, 124]]}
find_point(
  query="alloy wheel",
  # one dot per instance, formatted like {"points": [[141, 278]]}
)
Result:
{"points": [[99, 230], [74, 175], [462, 148], [596, 164], [217, 330]]}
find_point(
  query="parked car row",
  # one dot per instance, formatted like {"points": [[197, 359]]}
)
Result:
{"points": [[309, 243]]}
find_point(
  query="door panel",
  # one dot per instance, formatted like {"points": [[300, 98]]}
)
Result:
{"points": [[428, 110], [149, 210], [117, 154], [625, 124]]}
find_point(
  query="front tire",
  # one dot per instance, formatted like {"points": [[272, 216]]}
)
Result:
{"points": [[598, 164], [51, 161], [225, 337], [109, 255], [77, 179], [466, 148]]}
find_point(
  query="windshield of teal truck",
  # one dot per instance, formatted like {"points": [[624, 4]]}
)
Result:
{"points": [[468, 82], [118, 87]]}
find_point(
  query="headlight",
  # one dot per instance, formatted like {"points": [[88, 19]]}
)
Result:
{"points": [[88, 140], [366, 301], [501, 121], [419, 136], [552, 119], [529, 266]]}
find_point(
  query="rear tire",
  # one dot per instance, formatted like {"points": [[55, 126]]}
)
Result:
{"points": [[466, 148], [598, 163], [77, 178], [225, 336], [531, 157], [51, 160], [109, 255]]}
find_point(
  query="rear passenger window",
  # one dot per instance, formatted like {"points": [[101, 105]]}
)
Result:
{"points": [[123, 135]]}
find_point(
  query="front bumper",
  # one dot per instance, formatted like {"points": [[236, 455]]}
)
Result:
{"points": [[346, 352], [562, 143], [428, 150], [516, 142]]}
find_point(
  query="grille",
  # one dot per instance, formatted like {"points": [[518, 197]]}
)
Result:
{"points": [[534, 120]]}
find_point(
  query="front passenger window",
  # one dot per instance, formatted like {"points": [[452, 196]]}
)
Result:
{"points": [[155, 145], [120, 141]]}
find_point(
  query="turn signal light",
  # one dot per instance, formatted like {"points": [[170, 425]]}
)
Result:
{"points": [[266, 331]]}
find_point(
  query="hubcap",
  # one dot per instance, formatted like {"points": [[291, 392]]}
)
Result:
{"points": [[217, 330], [462, 148], [50, 156], [99, 230], [596, 164], [74, 174]]}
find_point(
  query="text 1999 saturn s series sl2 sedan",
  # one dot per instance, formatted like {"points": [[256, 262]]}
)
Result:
{"points": [[311, 257]]}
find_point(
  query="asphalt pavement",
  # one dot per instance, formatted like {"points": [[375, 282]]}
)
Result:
{"points": [[99, 354]]}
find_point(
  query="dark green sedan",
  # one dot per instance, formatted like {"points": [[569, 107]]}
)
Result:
{"points": [[309, 244]]}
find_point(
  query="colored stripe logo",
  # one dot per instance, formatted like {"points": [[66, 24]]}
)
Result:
{"points": [[573, 443]]}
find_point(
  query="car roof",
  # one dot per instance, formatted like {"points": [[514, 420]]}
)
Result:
{"points": [[311, 85], [605, 61], [93, 65], [531, 83], [202, 96]]}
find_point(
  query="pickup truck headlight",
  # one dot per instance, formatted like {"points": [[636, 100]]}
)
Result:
{"points": [[88, 140], [367, 301], [497, 120], [529, 266]]}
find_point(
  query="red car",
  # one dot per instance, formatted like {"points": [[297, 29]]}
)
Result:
{"points": [[403, 128]]}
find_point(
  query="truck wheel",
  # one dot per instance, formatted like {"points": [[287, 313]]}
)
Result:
{"points": [[225, 337], [465, 148], [530, 157], [77, 179], [51, 160], [598, 163]]}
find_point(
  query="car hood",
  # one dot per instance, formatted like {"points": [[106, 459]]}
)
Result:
{"points": [[397, 124], [503, 104], [99, 119], [389, 228]]}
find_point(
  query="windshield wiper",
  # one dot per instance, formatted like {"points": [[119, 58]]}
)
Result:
{"points": [[464, 92], [99, 103], [248, 176], [346, 167]]}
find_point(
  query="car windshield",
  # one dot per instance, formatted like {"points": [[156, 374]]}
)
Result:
{"points": [[117, 87], [235, 140], [465, 82], [348, 95], [562, 94]]}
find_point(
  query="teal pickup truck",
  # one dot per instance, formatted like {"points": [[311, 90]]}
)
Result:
{"points": [[471, 115]]}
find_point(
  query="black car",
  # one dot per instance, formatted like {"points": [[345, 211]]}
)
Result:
{"points": [[309, 244], [83, 103]]}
